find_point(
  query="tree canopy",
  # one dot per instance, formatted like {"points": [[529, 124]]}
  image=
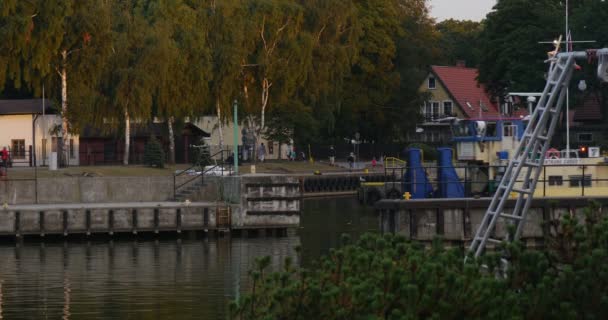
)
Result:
{"points": [[345, 66]]}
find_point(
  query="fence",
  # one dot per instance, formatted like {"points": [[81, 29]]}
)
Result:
{"points": [[555, 180]]}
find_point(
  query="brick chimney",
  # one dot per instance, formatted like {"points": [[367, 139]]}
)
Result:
{"points": [[461, 63]]}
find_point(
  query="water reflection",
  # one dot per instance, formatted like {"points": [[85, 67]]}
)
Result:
{"points": [[157, 279]]}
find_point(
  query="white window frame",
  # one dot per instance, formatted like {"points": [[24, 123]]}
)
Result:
{"points": [[428, 82], [443, 107]]}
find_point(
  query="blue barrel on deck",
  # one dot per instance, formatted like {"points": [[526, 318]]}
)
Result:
{"points": [[415, 180], [449, 185]]}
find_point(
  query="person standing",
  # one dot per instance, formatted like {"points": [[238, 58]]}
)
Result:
{"points": [[261, 152], [332, 156], [351, 160]]}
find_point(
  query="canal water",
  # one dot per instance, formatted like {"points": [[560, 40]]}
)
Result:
{"points": [[166, 278]]}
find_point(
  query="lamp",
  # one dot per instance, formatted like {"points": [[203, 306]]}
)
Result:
{"points": [[582, 85]]}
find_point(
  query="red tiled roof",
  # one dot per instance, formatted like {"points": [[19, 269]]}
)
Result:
{"points": [[462, 85], [589, 109]]}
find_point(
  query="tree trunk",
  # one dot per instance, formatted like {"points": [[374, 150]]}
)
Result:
{"points": [[219, 122], [171, 141], [63, 146], [125, 159]]}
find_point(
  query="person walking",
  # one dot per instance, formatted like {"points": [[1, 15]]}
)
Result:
{"points": [[332, 156], [261, 152], [4, 157]]}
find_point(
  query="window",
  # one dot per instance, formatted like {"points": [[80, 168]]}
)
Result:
{"points": [[54, 144], [491, 129], [447, 108], [575, 181], [44, 142], [72, 149], [508, 129], [556, 180], [18, 149], [432, 83], [585, 137], [431, 111]]}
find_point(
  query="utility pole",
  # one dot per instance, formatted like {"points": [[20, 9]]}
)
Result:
{"points": [[236, 139]]}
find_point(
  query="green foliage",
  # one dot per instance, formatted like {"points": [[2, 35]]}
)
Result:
{"points": [[153, 154], [201, 155], [389, 277], [511, 57], [459, 40]]}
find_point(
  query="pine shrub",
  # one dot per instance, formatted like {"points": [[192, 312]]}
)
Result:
{"points": [[153, 154], [389, 277]]}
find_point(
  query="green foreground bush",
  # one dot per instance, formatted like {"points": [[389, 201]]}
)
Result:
{"points": [[388, 277]]}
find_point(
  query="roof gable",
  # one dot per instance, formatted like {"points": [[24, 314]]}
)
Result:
{"points": [[461, 84], [24, 106]]}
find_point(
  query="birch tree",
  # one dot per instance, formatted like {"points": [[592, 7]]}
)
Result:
{"points": [[54, 39], [279, 56], [182, 78], [226, 25], [131, 71]]}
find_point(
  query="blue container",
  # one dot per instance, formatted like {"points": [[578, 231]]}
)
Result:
{"points": [[503, 155]]}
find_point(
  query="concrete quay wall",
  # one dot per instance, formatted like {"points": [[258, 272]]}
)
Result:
{"points": [[87, 190], [263, 200], [108, 218], [457, 220]]}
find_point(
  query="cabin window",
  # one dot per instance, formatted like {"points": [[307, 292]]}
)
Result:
{"points": [[556, 180], [508, 129], [447, 108], [432, 83], [578, 181], [18, 149], [585, 137], [491, 129]]}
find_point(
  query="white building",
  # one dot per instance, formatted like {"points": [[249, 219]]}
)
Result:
{"points": [[25, 127], [210, 124]]}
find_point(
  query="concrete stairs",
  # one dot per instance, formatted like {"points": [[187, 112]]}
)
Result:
{"points": [[187, 192]]}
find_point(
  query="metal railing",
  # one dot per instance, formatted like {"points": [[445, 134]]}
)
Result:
{"points": [[554, 179], [203, 171]]}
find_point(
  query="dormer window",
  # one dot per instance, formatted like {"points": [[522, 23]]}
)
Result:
{"points": [[432, 82]]}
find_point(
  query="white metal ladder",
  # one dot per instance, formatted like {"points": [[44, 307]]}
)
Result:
{"points": [[528, 159]]}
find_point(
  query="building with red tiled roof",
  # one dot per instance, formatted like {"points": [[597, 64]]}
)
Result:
{"points": [[461, 85], [452, 92]]}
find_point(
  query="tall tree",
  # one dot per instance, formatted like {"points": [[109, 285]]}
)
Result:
{"points": [[130, 73], [459, 40], [277, 62], [227, 36], [181, 82], [511, 57], [335, 36], [46, 39]]}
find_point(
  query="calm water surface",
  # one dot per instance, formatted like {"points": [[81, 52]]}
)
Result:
{"points": [[158, 279]]}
